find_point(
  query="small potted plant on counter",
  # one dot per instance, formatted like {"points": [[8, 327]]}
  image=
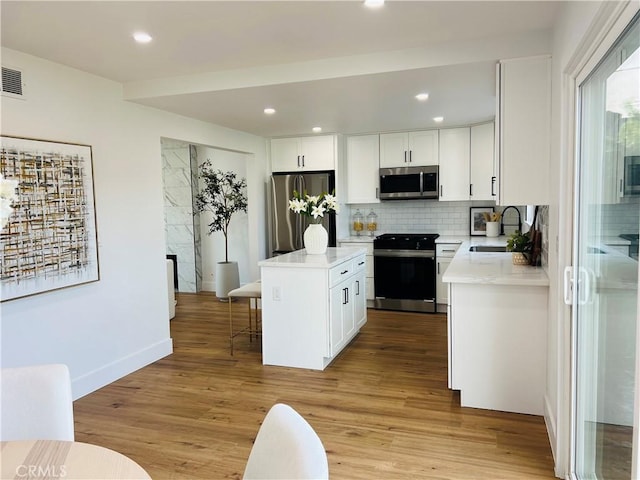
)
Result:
{"points": [[520, 244]]}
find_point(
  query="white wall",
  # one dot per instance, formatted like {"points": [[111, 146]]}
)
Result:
{"points": [[107, 329]]}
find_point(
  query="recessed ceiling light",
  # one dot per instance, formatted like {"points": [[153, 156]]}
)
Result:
{"points": [[142, 37], [316, 129], [373, 3], [269, 111], [422, 96], [438, 119]]}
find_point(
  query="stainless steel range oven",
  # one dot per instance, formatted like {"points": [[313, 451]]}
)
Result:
{"points": [[404, 268]]}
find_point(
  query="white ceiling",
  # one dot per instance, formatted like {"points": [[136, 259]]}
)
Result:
{"points": [[337, 64]]}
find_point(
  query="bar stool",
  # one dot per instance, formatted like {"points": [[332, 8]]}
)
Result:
{"points": [[252, 291]]}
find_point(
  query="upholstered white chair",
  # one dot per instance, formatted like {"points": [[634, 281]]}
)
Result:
{"points": [[286, 447], [36, 403]]}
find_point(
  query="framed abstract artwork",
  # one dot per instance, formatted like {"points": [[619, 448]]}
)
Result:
{"points": [[477, 223], [50, 240]]}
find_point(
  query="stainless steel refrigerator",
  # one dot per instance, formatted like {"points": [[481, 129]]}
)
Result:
{"points": [[287, 227]]}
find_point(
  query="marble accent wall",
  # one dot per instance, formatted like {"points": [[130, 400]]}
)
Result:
{"points": [[197, 239], [178, 210]]}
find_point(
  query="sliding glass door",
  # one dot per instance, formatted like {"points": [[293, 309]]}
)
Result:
{"points": [[607, 220]]}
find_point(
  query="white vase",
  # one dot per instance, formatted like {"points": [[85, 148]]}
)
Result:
{"points": [[316, 239], [227, 279], [493, 229]]}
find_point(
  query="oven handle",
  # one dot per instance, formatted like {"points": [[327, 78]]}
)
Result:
{"points": [[404, 253]]}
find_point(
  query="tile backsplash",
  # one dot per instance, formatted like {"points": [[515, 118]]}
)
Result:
{"points": [[420, 216]]}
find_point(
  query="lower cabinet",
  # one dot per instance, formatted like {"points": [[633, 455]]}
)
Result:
{"points": [[444, 254], [347, 307], [497, 346], [309, 314], [369, 284]]}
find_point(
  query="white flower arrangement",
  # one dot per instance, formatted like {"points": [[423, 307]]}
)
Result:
{"points": [[7, 197], [313, 206]]}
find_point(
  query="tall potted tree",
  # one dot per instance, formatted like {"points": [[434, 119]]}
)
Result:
{"points": [[223, 195]]}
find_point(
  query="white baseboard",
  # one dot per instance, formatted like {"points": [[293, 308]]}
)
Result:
{"points": [[100, 377], [550, 422]]}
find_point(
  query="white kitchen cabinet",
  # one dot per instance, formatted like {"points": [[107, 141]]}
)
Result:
{"points": [[455, 146], [303, 153], [347, 306], [312, 306], [481, 164], [444, 254], [523, 131], [409, 149], [363, 166], [498, 346], [360, 293], [368, 282]]}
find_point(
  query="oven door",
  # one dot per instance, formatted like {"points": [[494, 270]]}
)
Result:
{"points": [[405, 280]]}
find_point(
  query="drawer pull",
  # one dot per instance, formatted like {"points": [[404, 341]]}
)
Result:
{"points": [[361, 263], [346, 271]]}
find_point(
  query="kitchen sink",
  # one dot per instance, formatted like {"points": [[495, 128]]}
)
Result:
{"points": [[487, 248]]}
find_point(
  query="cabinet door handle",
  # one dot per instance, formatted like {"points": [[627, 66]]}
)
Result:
{"points": [[405, 156], [438, 268], [346, 271], [493, 184], [358, 289], [345, 296], [449, 251], [377, 193], [302, 161], [440, 190], [361, 263], [471, 189], [621, 189], [298, 160], [409, 156]]}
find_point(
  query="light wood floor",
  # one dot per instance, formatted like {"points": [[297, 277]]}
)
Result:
{"points": [[382, 409]]}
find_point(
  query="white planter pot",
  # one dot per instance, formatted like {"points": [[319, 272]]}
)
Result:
{"points": [[493, 229], [227, 279], [316, 239]]}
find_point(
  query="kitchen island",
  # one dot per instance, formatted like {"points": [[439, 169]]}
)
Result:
{"points": [[312, 306], [497, 325]]}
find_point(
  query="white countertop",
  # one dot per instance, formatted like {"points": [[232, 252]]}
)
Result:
{"points": [[300, 259], [614, 241], [491, 268], [357, 239], [612, 269]]}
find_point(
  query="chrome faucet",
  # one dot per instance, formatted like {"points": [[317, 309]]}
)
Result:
{"points": [[510, 225]]}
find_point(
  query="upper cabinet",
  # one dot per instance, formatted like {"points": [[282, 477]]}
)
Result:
{"points": [[303, 153], [363, 155], [409, 149], [455, 149], [523, 130], [481, 177]]}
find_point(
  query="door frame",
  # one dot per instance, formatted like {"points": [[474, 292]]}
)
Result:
{"points": [[609, 23]]}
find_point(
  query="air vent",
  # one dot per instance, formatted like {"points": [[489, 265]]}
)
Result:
{"points": [[12, 82]]}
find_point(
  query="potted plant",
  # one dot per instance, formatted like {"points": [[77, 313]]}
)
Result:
{"points": [[223, 195], [314, 206], [520, 244]]}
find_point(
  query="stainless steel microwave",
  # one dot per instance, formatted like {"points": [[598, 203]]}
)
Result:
{"points": [[404, 183], [632, 175]]}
